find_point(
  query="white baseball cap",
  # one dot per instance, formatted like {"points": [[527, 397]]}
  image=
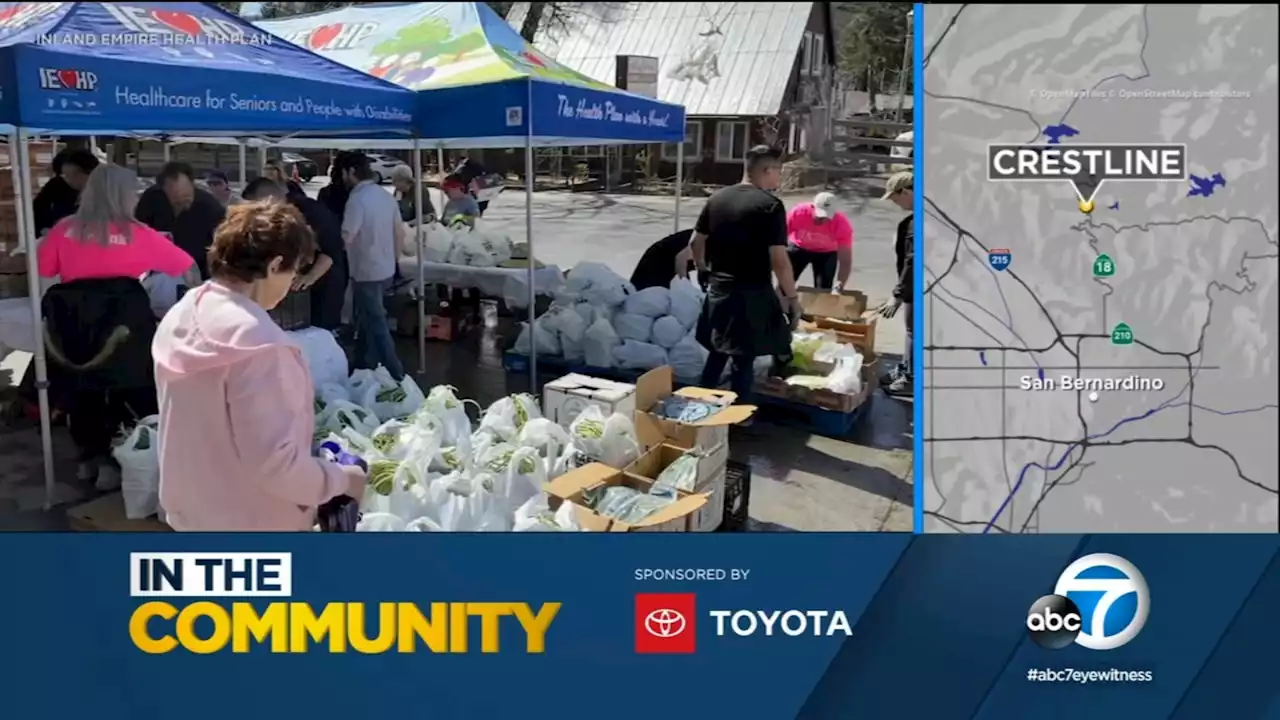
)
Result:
{"points": [[824, 205]]}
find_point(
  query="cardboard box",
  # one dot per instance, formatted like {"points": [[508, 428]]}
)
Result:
{"points": [[845, 317], [709, 435], [825, 399], [710, 480], [573, 485], [565, 398]]}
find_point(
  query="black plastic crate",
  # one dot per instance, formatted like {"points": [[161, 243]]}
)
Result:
{"points": [[737, 496], [294, 311]]}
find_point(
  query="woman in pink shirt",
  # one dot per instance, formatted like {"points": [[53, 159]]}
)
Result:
{"points": [[237, 411], [98, 343], [102, 240], [820, 236]]}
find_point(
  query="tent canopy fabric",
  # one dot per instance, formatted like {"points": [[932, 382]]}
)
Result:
{"points": [[178, 67], [480, 83]]}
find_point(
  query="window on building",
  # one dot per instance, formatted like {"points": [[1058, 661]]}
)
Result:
{"points": [[806, 53], [732, 140], [692, 143], [818, 61]]}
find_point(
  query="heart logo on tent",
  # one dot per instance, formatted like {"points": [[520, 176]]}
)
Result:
{"points": [[180, 22], [323, 35], [69, 78]]}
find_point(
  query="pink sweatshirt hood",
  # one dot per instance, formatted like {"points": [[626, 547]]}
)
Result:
{"points": [[213, 329]]}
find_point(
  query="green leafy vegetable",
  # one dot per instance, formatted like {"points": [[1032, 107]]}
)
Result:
{"points": [[589, 429], [391, 395], [382, 475]]}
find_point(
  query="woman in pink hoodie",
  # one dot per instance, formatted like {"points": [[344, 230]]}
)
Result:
{"points": [[236, 400]]}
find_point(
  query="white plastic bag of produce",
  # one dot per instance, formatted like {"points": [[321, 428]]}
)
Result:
{"points": [[633, 355], [599, 343], [847, 376], [598, 284], [341, 414], [442, 401], [536, 516], [569, 328], [477, 250], [540, 339], [593, 437], [686, 302], [667, 332], [437, 243], [589, 313], [687, 358], [326, 360], [546, 437], [459, 503], [380, 522], [496, 245], [395, 399], [332, 392], [652, 302], [423, 524], [518, 473], [363, 387], [139, 457], [633, 327], [506, 417]]}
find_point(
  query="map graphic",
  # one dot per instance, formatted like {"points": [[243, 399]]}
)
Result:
{"points": [[1118, 373]]}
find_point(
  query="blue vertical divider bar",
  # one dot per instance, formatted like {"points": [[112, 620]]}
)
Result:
{"points": [[917, 299]]}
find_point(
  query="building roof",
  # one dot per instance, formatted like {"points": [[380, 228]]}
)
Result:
{"points": [[754, 50]]}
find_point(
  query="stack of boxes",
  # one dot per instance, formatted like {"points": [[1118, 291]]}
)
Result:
{"points": [[662, 442], [13, 267]]}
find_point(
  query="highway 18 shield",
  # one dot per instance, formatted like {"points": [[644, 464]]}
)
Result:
{"points": [[999, 258]]}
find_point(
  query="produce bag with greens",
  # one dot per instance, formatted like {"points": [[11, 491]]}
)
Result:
{"points": [[536, 516], [442, 401], [506, 417]]}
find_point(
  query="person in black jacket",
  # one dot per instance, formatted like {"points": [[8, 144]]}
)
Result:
{"points": [[901, 190], [57, 199], [469, 171], [174, 205], [326, 278], [334, 195], [665, 260]]}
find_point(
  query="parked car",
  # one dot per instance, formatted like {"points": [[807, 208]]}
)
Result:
{"points": [[307, 168], [382, 165]]}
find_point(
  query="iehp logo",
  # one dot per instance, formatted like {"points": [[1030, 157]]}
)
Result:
{"points": [[1100, 602]]}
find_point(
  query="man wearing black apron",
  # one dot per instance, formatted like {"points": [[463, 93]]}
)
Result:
{"points": [[740, 244]]}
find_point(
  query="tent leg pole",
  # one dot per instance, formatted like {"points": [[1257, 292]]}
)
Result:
{"points": [[533, 291], [679, 185], [440, 162], [26, 228], [165, 144], [244, 165], [420, 177]]}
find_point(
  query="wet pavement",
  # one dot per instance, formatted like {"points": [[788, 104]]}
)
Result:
{"points": [[862, 482]]}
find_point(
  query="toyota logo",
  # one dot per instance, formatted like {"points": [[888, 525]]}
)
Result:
{"points": [[664, 623]]}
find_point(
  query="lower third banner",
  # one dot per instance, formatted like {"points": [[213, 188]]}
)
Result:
{"points": [[763, 626]]}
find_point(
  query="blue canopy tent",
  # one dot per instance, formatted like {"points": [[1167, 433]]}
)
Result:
{"points": [[89, 68], [480, 85]]}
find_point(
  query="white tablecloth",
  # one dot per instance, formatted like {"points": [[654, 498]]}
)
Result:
{"points": [[510, 284], [15, 325]]}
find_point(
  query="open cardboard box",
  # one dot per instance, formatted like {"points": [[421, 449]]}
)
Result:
{"points": [[709, 483], [820, 398], [573, 486], [845, 317], [707, 434]]}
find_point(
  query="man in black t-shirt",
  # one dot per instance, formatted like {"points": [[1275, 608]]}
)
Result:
{"points": [[740, 245], [176, 206], [664, 260]]}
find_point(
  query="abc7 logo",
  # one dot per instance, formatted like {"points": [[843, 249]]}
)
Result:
{"points": [[1055, 621]]}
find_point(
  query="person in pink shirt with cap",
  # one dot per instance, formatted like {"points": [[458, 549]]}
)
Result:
{"points": [[821, 237]]}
